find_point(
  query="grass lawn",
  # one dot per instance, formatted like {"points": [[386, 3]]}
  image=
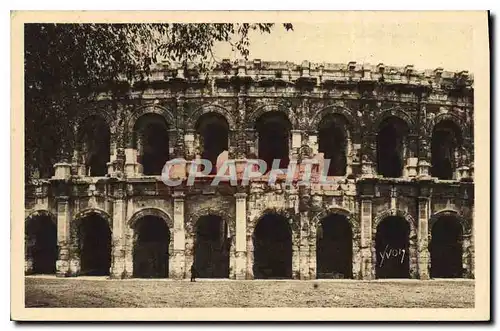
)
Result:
{"points": [[100, 293]]}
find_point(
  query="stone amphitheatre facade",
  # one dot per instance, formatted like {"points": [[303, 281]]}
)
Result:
{"points": [[399, 202]]}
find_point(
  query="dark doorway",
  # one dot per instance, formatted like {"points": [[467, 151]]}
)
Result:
{"points": [[151, 140], [95, 246], [446, 248], [95, 145], [274, 134], [41, 234], [333, 143], [272, 242], [212, 246], [214, 132], [152, 239], [445, 142], [334, 247], [393, 248], [390, 147]]}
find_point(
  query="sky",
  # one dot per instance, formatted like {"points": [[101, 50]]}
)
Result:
{"points": [[425, 44]]}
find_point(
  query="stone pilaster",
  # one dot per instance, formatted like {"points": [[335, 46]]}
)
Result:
{"points": [[304, 251], [462, 162], [63, 237], [240, 263], [232, 147], [368, 158], [28, 258], [357, 258], [313, 142], [296, 144], [172, 143], [241, 148], [424, 166], [128, 240], [178, 145], [188, 255], [299, 226], [118, 234], [240, 141], [252, 143], [350, 153], [190, 144], [411, 168], [423, 255], [113, 145], [74, 257], [313, 219], [178, 265], [132, 167], [116, 167], [179, 148], [250, 256], [367, 263], [129, 252], [466, 256], [295, 257]]}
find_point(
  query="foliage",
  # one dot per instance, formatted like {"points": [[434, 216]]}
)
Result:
{"points": [[65, 63]]}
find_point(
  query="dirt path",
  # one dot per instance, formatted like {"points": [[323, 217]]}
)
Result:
{"points": [[78, 292]]}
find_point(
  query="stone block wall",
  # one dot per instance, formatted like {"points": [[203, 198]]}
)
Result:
{"points": [[363, 95]]}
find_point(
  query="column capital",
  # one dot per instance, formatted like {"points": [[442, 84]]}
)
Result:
{"points": [[467, 235], [310, 132], [242, 96], [62, 199], [239, 261], [240, 195], [179, 195], [62, 170]]}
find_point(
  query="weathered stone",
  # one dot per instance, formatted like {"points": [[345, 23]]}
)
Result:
{"points": [[300, 97]]}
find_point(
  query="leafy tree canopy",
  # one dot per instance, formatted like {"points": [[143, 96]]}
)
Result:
{"points": [[64, 63]]}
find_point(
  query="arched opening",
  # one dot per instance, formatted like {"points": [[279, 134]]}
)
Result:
{"points": [[391, 140], [214, 133], [334, 247], [151, 142], [274, 134], [392, 248], [446, 139], [446, 248], [333, 143], [272, 242], [95, 145], [95, 245], [151, 242], [41, 236], [212, 245]]}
